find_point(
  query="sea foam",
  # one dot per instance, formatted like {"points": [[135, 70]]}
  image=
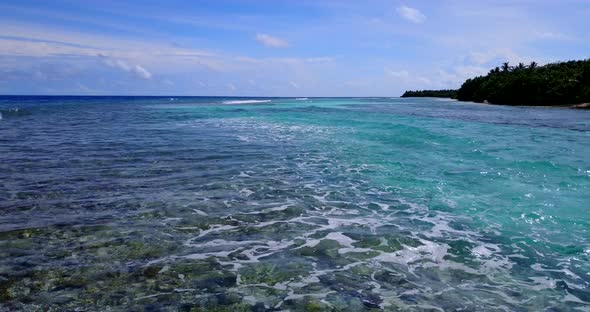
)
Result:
{"points": [[236, 102]]}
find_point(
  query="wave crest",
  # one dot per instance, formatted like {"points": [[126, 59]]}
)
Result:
{"points": [[235, 102]]}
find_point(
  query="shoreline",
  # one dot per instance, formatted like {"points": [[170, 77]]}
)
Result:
{"points": [[562, 106], [568, 106]]}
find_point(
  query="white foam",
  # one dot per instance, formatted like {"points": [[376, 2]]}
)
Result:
{"points": [[235, 102], [310, 243], [445, 100], [151, 296], [225, 243], [429, 250], [571, 298], [342, 239], [539, 267], [246, 192], [355, 250], [243, 138], [279, 208], [201, 256], [481, 251], [542, 283], [383, 206], [200, 212], [215, 228], [244, 175]]}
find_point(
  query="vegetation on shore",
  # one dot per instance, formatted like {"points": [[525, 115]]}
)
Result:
{"points": [[432, 93], [552, 84], [562, 83]]}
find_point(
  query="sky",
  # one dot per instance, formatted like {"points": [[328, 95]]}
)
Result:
{"points": [[276, 47]]}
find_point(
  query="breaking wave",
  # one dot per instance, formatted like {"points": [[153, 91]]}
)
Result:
{"points": [[237, 102]]}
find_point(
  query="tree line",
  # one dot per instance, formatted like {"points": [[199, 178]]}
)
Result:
{"points": [[552, 84], [431, 93]]}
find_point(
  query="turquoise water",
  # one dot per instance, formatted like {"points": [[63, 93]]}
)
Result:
{"points": [[139, 203]]}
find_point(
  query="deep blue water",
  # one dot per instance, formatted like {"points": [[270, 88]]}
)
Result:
{"points": [[342, 204]]}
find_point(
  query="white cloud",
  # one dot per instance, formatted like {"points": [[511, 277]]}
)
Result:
{"points": [[136, 70], [84, 89], [456, 76], [14, 47], [294, 85], [231, 87], [138, 58], [465, 72], [404, 78], [141, 72], [498, 56], [325, 59], [423, 80], [411, 14], [397, 74], [552, 36], [38, 42], [271, 42]]}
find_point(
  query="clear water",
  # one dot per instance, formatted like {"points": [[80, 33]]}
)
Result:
{"points": [[342, 204]]}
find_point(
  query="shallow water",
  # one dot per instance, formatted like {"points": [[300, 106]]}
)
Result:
{"points": [[139, 203]]}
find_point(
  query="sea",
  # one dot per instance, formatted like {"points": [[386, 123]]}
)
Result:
{"points": [[292, 204]]}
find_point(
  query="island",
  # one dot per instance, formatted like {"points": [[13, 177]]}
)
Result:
{"points": [[554, 84], [452, 94]]}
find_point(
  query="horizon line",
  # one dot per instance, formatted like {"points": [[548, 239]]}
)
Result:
{"points": [[180, 96]]}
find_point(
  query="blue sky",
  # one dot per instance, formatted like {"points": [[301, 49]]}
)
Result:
{"points": [[276, 48]]}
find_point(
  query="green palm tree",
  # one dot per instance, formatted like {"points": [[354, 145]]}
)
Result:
{"points": [[505, 66]]}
